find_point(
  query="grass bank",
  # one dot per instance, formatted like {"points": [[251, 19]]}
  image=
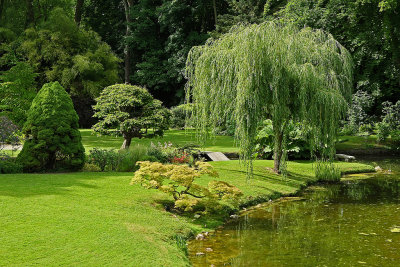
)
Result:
{"points": [[177, 137], [98, 219]]}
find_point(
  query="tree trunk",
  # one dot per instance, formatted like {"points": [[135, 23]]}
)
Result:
{"points": [[78, 11], [127, 142], [30, 16], [1, 7], [278, 150], [127, 54], [215, 13]]}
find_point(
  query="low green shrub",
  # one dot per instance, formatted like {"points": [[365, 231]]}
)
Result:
{"points": [[179, 182], [395, 140], [179, 115], [326, 171], [129, 158], [90, 167], [9, 165], [122, 161], [101, 157]]}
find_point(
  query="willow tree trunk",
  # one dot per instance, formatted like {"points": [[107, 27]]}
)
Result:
{"points": [[78, 11], [30, 16], [215, 13], [278, 150], [127, 6]]}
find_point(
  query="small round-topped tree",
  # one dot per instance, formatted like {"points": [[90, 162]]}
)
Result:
{"points": [[130, 110], [271, 71], [53, 141]]}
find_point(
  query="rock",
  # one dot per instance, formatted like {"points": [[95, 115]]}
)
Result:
{"points": [[205, 233], [196, 216], [209, 249], [378, 169], [200, 237], [200, 254], [345, 157], [234, 216]]}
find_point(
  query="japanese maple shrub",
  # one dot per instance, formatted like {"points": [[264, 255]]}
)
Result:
{"points": [[53, 141], [179, 182], [131, 110]]}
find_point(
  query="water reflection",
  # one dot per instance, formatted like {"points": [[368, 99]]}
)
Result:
{"points": [[345, 224]]}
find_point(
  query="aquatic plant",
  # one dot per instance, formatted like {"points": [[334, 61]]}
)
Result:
{"points": [[327, 171]]}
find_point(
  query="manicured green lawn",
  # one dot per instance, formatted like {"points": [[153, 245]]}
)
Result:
{"points": [[98, 219]]}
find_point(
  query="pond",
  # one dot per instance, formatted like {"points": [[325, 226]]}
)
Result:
{"points": [[352, 223]]}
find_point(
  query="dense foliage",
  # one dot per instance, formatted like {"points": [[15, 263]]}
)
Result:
{"points": [[369, 29], [131, 111], [271, 71], [112, 160], [181, 116], [17, 90], [53, 141], [297, 141]]}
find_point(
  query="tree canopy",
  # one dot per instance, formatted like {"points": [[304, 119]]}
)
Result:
{"points": [[131, 111], [271, 71]]}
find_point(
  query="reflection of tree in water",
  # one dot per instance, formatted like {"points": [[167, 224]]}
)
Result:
{"points": [[372, 190], [336, 225]]}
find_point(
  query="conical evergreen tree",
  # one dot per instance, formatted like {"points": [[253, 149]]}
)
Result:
{"points": [[53, 141]]}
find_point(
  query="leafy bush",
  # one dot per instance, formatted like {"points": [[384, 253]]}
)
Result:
{"points": [[122, 161], [390, 120], [102, 157], [179, 182], [326, 171], [53, 140], [357, 114], [129, 158], [9, 165], [297, 145], [180, 114], [168, 153], [90, 167], [161, 152], [395, 140]]}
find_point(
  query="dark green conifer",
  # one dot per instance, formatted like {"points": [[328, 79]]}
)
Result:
{"points": [[53, 141]]}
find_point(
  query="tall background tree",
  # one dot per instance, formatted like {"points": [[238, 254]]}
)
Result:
{"points": [[369, 29]]}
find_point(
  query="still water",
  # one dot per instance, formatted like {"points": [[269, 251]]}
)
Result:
{"points": [[353, 223]]}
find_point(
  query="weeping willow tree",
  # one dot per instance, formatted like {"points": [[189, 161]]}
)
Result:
{"points": [[271, 71]]}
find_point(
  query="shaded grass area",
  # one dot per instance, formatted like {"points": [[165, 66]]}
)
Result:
{"points": [[177, 137], [348, 142], [98, 219]]}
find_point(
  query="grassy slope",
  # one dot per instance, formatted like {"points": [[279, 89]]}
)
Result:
{"points": [[97, 219], [359, 142]]}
